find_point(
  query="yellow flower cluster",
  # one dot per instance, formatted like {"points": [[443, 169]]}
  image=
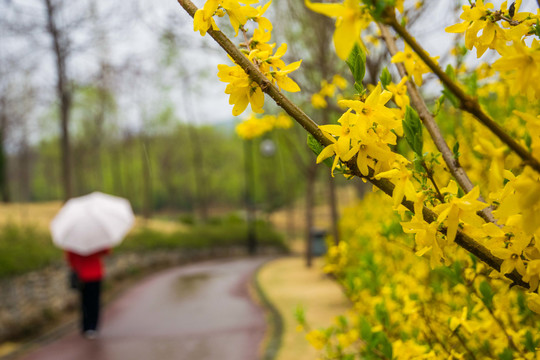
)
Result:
{"points": [[328, 90], [399, 91], [254, 127], [238, 14], [403, 309], [242, 89], [518, 62], [366, 130], [352, 17], [413, 64]]}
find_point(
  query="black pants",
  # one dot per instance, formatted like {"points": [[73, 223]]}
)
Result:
{"points": [[90, 304]]}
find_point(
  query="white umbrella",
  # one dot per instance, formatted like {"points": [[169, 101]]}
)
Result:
{"points": [[91, 223]]}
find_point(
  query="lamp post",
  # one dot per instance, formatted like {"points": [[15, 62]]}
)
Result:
{"points": [[267, 149]]}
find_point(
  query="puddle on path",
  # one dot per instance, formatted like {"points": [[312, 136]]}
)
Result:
{"points": [[187, 285]]}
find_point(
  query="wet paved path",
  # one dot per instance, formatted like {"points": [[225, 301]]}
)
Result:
{"points": [[198, 312]]}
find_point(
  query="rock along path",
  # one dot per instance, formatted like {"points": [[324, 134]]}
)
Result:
{"points": [[200, 311]]}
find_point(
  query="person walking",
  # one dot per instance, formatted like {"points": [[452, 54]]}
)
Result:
{"points": [[89, 271]]}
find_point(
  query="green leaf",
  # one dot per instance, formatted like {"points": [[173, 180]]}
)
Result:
{"points": [[487, 294], [529, 343], [507, 354], [386, 77], [412, 128], [316, 147], [384, 345], [537, 28], [381, 314], [417, 163], [528, 140], [439, 104], [357, 64], [342, 320], [365, 330], [455, 150], [300, 315], [472, 84], [377, 7]]}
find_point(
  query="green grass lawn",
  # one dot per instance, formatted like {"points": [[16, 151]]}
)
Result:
{"points": [[24, 248]]}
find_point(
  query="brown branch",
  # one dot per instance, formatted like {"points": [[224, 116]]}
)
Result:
{"points": [[467, 103], [463, 240], [429, 122]]}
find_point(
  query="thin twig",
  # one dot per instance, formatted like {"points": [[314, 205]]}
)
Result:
{"points": [[429, 173], [427, 322], [464, 344], [496, 318], [467, 103], [462, 240]]}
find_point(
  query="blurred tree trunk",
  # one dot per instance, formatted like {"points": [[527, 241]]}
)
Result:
{"points": [[64, 94], [98, 138], [334, 214], [319, 62], [4, 180], [129, 168], [323, 61], [311, 177], [23, 165], [117, 164], [198, 172], [146, 177], [79, 170], [200, 181]]}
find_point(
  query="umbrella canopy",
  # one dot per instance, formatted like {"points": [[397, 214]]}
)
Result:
{"points": [[91, 223]]}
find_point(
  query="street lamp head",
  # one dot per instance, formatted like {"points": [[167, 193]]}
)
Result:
{"points": [[268, 147]]}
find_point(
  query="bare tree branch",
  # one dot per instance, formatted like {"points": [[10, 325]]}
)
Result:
{"points": [[467, 103], [429, 122]]}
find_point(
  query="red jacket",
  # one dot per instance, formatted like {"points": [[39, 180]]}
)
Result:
{"points": [[89, 267]]}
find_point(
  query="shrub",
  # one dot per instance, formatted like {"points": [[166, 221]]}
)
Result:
{"points": [[25, 248]]}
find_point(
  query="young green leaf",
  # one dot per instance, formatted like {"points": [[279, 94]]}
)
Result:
{"points": [[455, 150], [316, 147], [386, 77], [487, 294], [529, 343], [365, 329], [439, 104], [507, 354], [300, 315], [412, 128], [383, 344], [357, 64]]}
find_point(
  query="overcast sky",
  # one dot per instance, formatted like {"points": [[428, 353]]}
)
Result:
{"points": [[132, 34]]}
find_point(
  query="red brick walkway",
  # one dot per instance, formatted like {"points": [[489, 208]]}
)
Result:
{"points": [[198, 312]]}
